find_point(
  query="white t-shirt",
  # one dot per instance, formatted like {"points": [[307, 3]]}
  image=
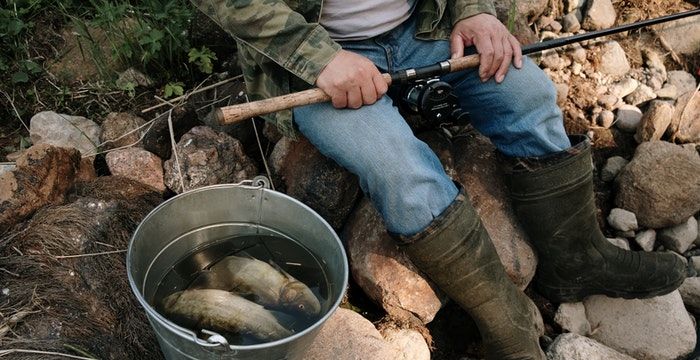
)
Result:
{"points": [[363, 19]]}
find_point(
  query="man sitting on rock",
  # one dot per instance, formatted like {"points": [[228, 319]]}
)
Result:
{"points": [[342, 47]]}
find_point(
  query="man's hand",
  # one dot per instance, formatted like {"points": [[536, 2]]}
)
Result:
{"points": [[495, 45], [351, 80]]}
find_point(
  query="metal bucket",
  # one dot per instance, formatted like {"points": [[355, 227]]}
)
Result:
{"points": [[206, 216]]}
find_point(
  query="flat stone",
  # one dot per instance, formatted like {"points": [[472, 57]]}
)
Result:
{"points": [[606, 118], [572, 318], [680, 237], [629, 117], [682, 35], [687, 129], [668, 92], [570, 23], [576, 347], [641, 95], [624, 87], [409, 342], [620, 242], [661, 185], [690, 292], [655, 121], [622, 220], [600, 14], [646, 239], [48, 127], [613, 59], [658, 328], [137, 164], [682, 80], [121, 129], [612, 167]]}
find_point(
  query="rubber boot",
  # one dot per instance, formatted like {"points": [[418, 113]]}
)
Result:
{"points": [[457, 254], [553, 199]]}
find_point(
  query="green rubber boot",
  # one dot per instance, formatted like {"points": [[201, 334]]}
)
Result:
{"points": [[457, 254], [553, 199]]}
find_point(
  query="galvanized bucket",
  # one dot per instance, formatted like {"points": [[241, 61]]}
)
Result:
{"points": [[199, 219]]}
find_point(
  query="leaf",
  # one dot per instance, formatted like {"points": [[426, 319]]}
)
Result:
{"points": [[20, 77], [175, 88], [24, 143]]}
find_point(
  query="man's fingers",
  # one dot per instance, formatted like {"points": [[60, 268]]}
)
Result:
{"points": [[498, 54], [505, 62], [456, 46], [369, 93], [380, 85], [484, 47], [517, 51], [354, 98], [340, 100]]}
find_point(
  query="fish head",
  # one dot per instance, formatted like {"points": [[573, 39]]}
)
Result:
{"points": [[297, 297], [170, 300]]}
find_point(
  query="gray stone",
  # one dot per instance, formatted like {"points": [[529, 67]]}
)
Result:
{"points": [[623, 220], [642, 94], [658, 328], [646, 239], [613, 60], [661, 185], [608, 101], [612, 167], [577, 347], [550, 59], [600, 14], [669, 92], [682, 80], [409, 342], [48, 127], [346, 335], [205, 157], [572, 318], [655, 121], [606, 118], [686, 120], [578, 53], [121, 129], [655, 79], [654, 60], [690, 292], [680, 237], [629, 117], [384, 272], [620, 242], [624, 87], [570, 23], [137, 164], [683, 35], [695, 261]]}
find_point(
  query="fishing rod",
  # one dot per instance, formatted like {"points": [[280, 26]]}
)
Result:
{"points": [[235, 113]]}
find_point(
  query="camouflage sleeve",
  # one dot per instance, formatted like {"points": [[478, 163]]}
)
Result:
{"points": [[276, 31], [462, 9]]}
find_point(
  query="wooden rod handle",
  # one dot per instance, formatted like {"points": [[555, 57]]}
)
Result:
{"points": [[464, 63]]}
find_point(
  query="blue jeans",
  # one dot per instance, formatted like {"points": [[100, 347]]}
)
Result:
{"points": [[399, 173]]}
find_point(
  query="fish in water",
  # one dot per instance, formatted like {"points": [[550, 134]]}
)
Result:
{"points": [[263, 283], [220, 310]]}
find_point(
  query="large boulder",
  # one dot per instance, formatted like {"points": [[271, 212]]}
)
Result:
{"points": [[48, 127], [690, 292], [683, 35], [658, 328], [655, 121], [205, 157], [661, 184], [42, 176], [685, 126], [137, 164], [315, 180], [569, 346], [384, 272], [478, 170]]}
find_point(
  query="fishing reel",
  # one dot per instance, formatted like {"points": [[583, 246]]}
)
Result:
{"points": [[434, 100]]}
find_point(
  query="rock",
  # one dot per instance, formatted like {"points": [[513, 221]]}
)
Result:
{"points": [[613, 60], [206, 158], [315, 180], [137, 164], [346, 335], [642, 94], [577, 347], [7, 167], [629, 117], [612, 167], [646, 239], [620, 242], [654, 60], [661, 185], [695, 262], [624, 87], [655, 121], [669, 92], [600, 14], [477, 169], [687, 129], [554, 26], [562, 93], [121, 129], [608, 101], [680, 237], [48, 127], [622, 220], [690, 292], [409, 342], [606, 118], [572, 318], [578, 53], [682, 80], [157, 139], [655, 79], [682, 35], [384, 272], [570, 23], [42, 176], [658, 328], [572, 5], [550, 59], [131, 78]]}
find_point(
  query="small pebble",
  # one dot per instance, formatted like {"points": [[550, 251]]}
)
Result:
{"points": [[623, 220], [646, 239], [612, 167], [606, 119]]}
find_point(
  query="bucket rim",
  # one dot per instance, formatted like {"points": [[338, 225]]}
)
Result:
{"points": [[187, 333]]}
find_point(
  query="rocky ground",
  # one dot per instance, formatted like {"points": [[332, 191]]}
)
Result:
{"points": [[69, 203]]}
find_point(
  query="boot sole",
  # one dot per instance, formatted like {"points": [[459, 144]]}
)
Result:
{"points": [[576, 294]]}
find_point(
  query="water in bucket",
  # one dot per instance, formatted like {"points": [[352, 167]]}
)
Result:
{"points": [[202, 286]]}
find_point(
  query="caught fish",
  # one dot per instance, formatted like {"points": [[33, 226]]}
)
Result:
{"points": [[269, 286], [220, 310]]}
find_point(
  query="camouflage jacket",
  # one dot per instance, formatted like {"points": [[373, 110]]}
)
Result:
{"points": [[282, 47]]}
